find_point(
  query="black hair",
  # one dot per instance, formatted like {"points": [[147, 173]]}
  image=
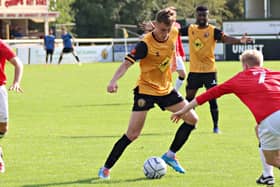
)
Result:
{"points": [[201, 8]]}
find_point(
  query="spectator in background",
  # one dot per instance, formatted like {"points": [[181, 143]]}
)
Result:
{"points": [[6, 53], [16, 32], [49, 44], [67, 45]]}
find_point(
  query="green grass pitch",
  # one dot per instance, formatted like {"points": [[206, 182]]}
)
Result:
{"points": [[64, 125]]}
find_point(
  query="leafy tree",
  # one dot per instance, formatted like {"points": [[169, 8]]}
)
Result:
{"points": [[64, 9], [97, 18], [235, 9]]}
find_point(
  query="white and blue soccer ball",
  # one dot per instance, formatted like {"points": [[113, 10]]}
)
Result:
{"points": [[154, 168]]}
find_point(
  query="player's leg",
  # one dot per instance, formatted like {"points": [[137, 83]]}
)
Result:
{"points": [[267, 176], [269, 135], [174, 102], [194, 82], [135, 126], [142, 103], [210, 80], [272, 157], [60, 57], [181, 70], [3, 121], [3, 130], [47, 55], [51, 57], [76, 56], [181, 137]]}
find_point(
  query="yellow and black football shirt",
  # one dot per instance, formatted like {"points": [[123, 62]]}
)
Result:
{"points": [[155, 58], [202, 43]]}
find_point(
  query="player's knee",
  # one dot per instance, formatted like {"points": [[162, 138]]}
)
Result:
{"points": [[273, 162], [132, 136], [189, 98], [191, 118], [276, 161], [3, 127], [3, 130]]}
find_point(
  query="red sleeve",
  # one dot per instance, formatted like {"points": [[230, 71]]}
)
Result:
{"points": [[179, 47], [6, 51], [216, 91], [179, 44]]}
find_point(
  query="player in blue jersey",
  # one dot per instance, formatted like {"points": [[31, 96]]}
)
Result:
{"points": [[67, 45], [49, 43]]}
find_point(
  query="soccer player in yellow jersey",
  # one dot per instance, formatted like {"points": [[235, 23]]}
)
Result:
{"points": [[202, 71], [154, 86]]}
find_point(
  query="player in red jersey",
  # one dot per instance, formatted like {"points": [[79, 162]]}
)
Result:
{"points": [[180, 56], [259, 89], [6, 53]]}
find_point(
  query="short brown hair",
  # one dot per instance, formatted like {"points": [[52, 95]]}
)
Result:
{"points": [[165, 16]]}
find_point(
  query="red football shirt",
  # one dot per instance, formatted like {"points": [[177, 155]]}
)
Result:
{"points": [[6, 53], [258, 88]]}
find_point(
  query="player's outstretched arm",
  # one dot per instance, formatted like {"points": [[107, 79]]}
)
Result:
{"points": [[17, 74], [112, 86], [176, 116], [232, 40]]}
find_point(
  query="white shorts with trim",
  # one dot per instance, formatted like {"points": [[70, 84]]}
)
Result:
{"points": [[180, 63], [269, 132], [3, 104]]}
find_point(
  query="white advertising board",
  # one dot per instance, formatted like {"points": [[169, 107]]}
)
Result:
{"points": [[87, 54], [252, 27]]}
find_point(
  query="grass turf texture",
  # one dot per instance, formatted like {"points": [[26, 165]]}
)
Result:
{"points": [[64, 125]]}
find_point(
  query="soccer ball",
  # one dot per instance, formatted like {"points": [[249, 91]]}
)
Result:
{"points": [[154, 168]]}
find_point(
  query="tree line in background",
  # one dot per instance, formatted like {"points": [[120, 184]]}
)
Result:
{"points": [[97, 18]]}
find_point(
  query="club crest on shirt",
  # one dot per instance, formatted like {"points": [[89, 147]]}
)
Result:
{"points": [[141, 102], [157, 53], [206, 34]]}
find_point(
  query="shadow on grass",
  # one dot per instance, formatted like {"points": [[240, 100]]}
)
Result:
{"points": [[97, 105], [95, 180], [116, 136]]}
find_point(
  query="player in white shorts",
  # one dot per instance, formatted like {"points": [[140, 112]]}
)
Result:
{"points": [[259, 89], [181, 70], [269, 132], [6, 53]]}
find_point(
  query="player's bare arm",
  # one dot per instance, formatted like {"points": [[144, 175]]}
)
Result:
{"points": [[17, 74], [176, 116], [113, 87], [232, 40]]}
